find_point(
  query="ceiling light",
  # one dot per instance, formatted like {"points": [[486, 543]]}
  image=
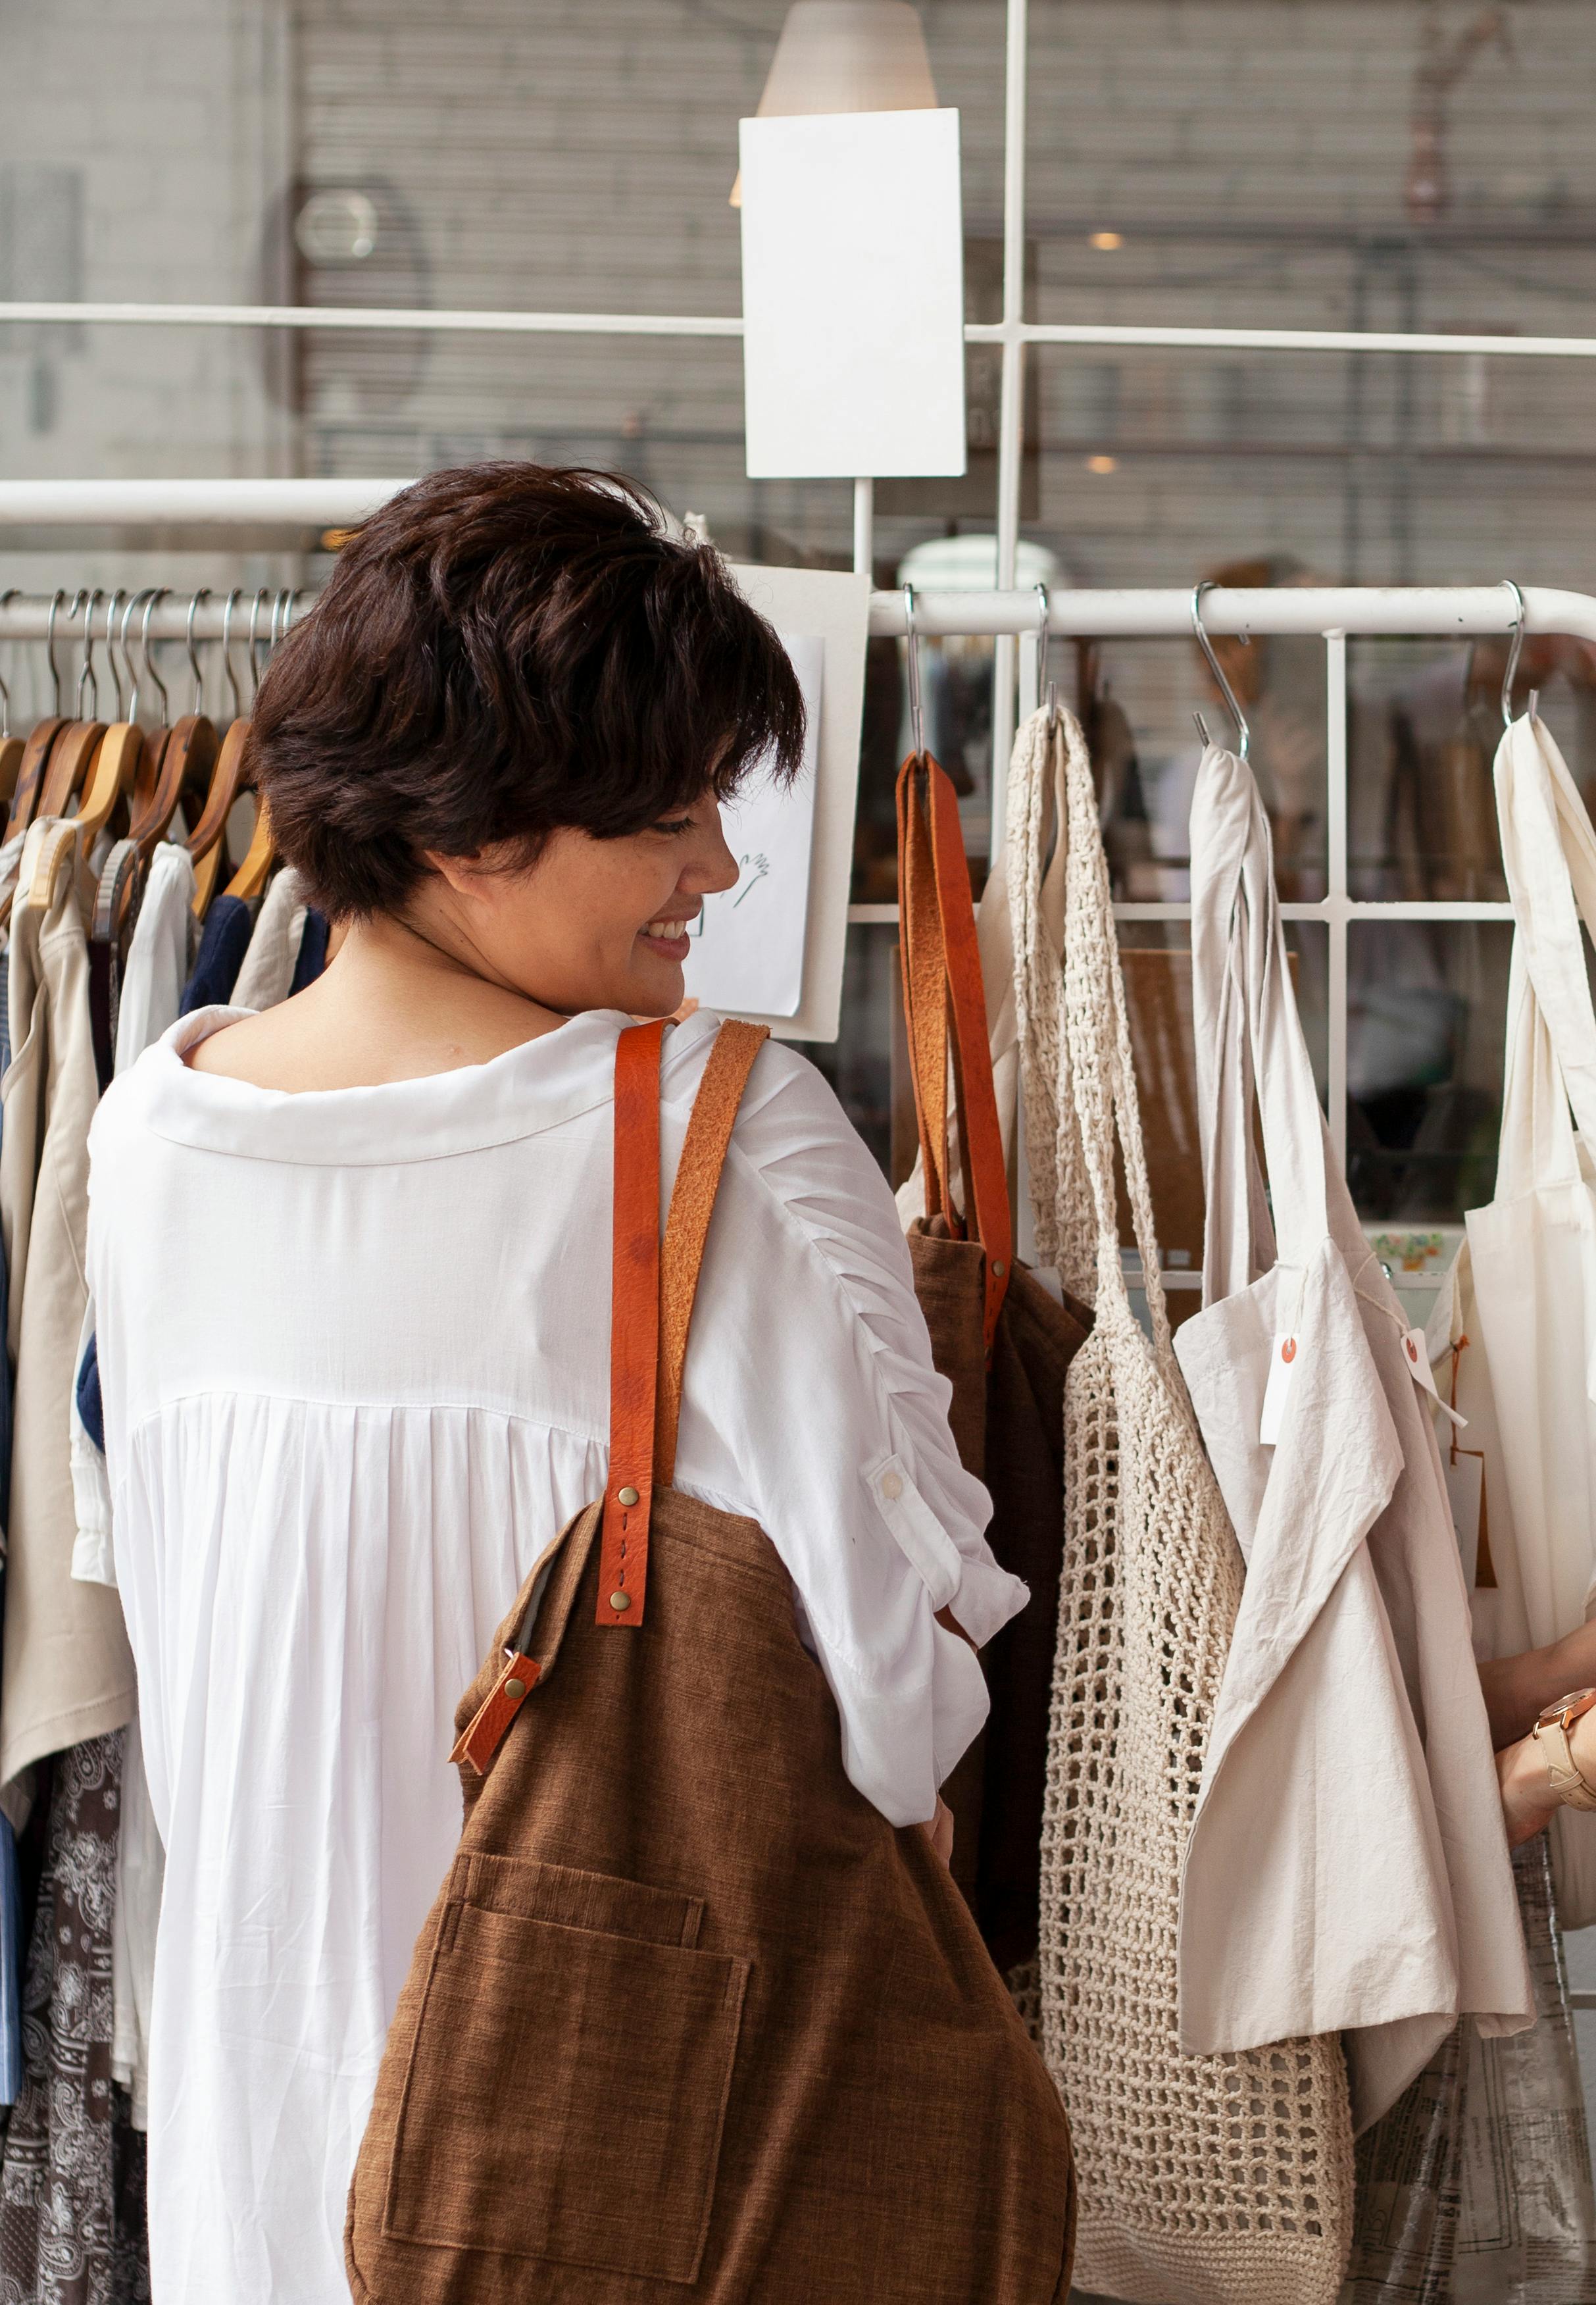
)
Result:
{"points": [[337, 226], [1102, 464], [847, 56], [1107, 240]]}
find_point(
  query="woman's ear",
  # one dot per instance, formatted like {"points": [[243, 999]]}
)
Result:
{"points": [[463, 874], [467, 874]]}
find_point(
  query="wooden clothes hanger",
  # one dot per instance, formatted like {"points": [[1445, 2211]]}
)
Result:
{"points": [[77, 743], [253, 873], [261, 855], [207, 842], [178, 761], [36, 751]]}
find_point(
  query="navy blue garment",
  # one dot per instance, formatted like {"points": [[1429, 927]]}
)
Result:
{"points": [[88, 1395], [10, 1967], [228, 926], [311, 959]]}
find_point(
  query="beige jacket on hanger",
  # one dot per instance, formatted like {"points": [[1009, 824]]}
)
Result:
{"points": [[68, 1673], [266, 976], [1347, 1870]]}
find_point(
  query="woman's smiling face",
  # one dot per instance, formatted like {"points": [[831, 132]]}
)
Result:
{"points": [[593, 924]]}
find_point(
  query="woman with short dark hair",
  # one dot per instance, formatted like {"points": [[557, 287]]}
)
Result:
{"points": [[353, 1269]]}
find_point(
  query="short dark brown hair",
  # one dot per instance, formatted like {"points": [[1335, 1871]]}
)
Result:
{"points": [[504, 649]]}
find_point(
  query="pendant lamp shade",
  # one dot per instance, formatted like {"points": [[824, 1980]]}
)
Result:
{"points": [[847, 56]]}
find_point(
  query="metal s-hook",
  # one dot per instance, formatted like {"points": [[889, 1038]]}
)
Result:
{"points": [[1514, 647], [202, 594], [231, 602], [259, 603], [116, 601], [127, 654], [55, 601], [916, 718], [1048, 687], [158, 594], [1243, 733], [86, 677]]}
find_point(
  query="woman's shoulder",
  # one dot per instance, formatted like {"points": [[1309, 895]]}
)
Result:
{"points": [[793, 1143], [790, 1118]]}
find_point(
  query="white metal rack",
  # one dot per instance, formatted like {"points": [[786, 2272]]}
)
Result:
{"points": [[1334, 613]]}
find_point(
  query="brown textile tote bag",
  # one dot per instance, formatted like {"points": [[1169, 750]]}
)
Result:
{"points": [[689, 2019], [1004, 1344]]}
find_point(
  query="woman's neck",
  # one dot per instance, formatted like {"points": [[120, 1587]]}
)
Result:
{"points": [[393, 1003]]}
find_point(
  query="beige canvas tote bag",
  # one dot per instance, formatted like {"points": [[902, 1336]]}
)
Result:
{"points": [[1202, 2180], [1532, 1250], [1376, 1899]]}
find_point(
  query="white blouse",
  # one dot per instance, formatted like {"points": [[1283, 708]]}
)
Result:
{"points": [[354, 1351]]}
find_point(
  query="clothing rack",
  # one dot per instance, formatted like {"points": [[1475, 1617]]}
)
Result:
{"points": [[1334, 613]]}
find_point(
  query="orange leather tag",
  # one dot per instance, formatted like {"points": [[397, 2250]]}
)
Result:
{"points": [[483, 1738]]}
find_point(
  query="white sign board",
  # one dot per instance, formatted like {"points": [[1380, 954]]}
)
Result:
{"points": [[749, 942], [852, 296], [772, 948]]}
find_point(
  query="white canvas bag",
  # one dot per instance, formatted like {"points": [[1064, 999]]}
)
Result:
{"points": [[1203, 2181], [1347, 1870], [1532, 1250]]}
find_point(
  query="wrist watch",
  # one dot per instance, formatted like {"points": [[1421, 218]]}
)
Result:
{"points": [[1550, 1733]]}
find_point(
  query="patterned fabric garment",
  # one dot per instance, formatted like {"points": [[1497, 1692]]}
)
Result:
{"points": [[72, 2178]]}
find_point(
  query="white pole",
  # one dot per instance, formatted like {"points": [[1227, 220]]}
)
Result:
{"points": [[1011, 404], [490, 323], [1449, 610], [864, 527], [1335, 650]]}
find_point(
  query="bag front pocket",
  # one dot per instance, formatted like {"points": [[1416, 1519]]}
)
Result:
{"points": [[568, 2078]]}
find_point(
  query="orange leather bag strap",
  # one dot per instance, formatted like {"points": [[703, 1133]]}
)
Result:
{"points": [[652, 1300], [945, 1011], [654, 1288], [634, 1328], [687, 1228]]}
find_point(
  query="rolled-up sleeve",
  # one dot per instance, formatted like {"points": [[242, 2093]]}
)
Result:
{"points": [[810, 1399]]}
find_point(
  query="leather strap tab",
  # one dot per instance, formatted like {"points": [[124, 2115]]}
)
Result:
{"points": [[945, 1010], [692, 1204], [1568, 1786], [634, 1329], [481, 1740], [924, 977]]}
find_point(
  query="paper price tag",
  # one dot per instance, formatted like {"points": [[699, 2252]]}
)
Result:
{"points": [[1283, 1356], [1415, 1353]]}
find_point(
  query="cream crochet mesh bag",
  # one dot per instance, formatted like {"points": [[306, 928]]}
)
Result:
{"points": [[1203, 2181]]}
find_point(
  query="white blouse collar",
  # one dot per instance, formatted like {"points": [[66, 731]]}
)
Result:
{"points": [[537, 1086]]}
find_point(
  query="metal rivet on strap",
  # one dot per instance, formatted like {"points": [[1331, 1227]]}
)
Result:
{"points": [[515, 1688], [629, 1495], [620, 1600], [998, 1268]]}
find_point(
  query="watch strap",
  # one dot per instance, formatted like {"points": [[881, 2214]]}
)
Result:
{"points": [[1568, 1785]]}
